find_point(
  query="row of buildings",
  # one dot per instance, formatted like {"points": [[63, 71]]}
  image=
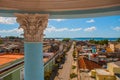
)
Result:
{"points": [[102, 61], [112, 72], [12, 59]]}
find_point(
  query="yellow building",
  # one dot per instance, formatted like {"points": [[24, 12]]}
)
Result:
{"points": [[102, 74], [93, 73], [113, 46], [117, 47], [114, 67], [108, 49]]}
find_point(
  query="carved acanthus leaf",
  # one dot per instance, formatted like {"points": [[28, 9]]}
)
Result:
{"points": [[33, 26]]}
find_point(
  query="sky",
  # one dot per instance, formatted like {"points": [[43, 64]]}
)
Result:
{"points": [[108, 27]]}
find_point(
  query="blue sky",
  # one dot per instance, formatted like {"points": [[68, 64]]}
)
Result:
{"points": [[108, 26]]}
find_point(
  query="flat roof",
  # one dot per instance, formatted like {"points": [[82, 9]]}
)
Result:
{"points": [[6, 58], [117, 63], [102, 72]]}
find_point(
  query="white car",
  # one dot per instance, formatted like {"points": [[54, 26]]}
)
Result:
{"points": [[60, 66]]}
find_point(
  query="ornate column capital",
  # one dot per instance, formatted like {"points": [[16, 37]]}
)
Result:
{"points": [[33, 26]]}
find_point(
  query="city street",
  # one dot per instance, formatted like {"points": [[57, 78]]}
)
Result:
{"points": [[64, 74]]}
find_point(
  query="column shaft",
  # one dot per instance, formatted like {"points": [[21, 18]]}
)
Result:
{"points": [[33, 26], [34, 69]]}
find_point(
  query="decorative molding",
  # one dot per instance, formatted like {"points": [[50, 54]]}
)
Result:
{"points": [[33, 26]]}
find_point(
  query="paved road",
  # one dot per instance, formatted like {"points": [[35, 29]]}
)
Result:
{"points": [[64, 74]]}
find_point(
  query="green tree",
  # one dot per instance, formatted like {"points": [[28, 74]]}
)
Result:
{"points": [[73, 75], [47, 75], [1, 41], [66, 39], [101, 42], [73, 66], [92, 41], [118, 40], [74, 54], [105, 41]]}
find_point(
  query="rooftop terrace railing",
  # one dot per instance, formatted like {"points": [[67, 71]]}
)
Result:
{"points": [[10, 64]]}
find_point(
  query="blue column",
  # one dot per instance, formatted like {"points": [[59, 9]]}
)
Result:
{"points": [[34, 66]]}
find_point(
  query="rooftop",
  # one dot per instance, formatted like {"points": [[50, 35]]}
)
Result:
{"points": [[102, 72], [6, 58], [117, 63]]}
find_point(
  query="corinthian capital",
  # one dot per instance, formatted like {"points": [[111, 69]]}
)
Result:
{"points": [[33, 26]]}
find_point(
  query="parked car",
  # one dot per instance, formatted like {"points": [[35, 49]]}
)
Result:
{"points": [[75, 59], [60, 66]]}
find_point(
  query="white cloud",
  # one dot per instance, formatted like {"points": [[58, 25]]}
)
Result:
{"points": [[90, 21], [116, 28], [12, 20], [49, 29], [15, 30], [58, 20], [54, 29], [7, 20], [90, 29], [75, 29]]}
